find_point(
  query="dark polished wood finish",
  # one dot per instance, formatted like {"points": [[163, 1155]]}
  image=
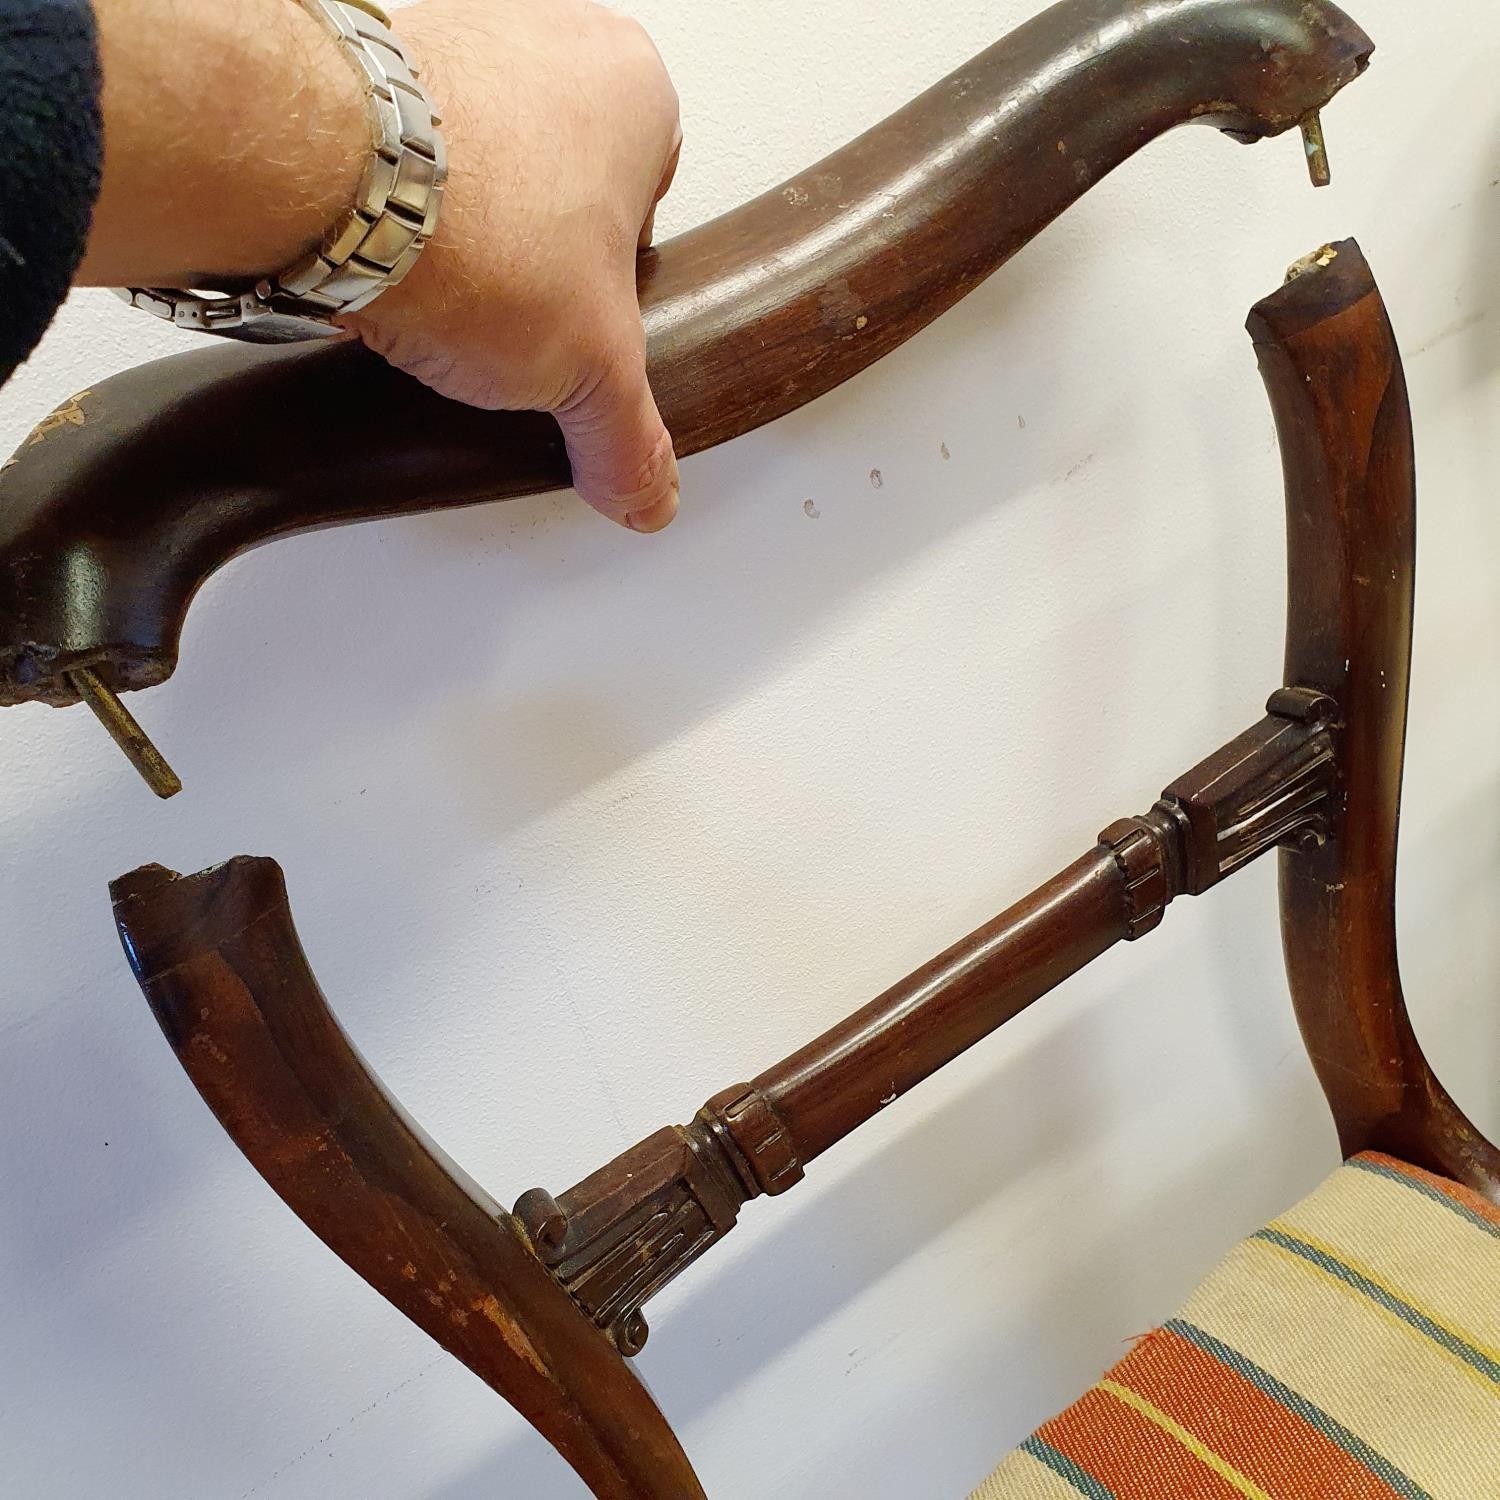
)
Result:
{"points": [[226, 976], [110, 521], [851, 1073], [1333, 372]]}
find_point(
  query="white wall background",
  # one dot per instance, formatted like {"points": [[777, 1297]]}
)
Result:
{"points": [[581, 826]]}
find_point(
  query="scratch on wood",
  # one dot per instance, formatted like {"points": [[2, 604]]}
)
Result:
{"points": [[515, 1340]]}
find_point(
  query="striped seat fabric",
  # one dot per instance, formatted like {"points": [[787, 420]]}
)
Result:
{"points": [[1350, 1350]]}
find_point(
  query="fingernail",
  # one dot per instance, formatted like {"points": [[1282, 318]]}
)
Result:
{"points": [[656, 516]]}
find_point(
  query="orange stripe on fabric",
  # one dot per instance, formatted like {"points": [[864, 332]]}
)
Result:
{"points": [[1249, 1429], [1474, 1202], [1130, 1455]]}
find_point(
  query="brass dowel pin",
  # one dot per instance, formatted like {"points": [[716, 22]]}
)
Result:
{"points": [[125, 732], [1317, 150]]}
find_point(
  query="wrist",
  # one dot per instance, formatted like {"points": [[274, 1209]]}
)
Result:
{"points": [[278, 139]]}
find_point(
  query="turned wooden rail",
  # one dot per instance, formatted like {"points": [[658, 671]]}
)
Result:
{"points": [[112, 515], [545, 1302]]}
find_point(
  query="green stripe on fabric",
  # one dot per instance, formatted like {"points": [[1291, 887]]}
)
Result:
{"points": [[1352, 1444], [1426, 1189], [1378, 1294], [1065, 1468]]}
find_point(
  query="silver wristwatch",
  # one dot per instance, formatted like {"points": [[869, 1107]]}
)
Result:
{"points": [[376, 243]]}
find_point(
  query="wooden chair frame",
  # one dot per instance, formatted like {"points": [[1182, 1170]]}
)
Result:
{"points": [[111, 519], [545, 1303]]}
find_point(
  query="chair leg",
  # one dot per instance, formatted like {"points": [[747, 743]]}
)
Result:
{"points": [[221, 964], [1333, 372]]}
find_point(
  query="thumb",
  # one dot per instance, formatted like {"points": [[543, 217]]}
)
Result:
{"points": [[621, 453]]}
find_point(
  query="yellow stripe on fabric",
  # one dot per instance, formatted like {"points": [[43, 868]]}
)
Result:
{"points": [[1023, 1477], [1398, 1391], [1440, 1259], [1205, 1455], [1455, 1341]]}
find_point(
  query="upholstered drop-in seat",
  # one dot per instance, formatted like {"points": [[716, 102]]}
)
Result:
{"points": [[1350, 1350]]}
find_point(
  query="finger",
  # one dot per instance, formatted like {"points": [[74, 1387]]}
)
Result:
{"points": [[663, 187], [669, 172], [622, 458]]}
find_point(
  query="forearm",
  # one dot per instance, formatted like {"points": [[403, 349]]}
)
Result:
{"points": [[234, 138], [236, 135]]}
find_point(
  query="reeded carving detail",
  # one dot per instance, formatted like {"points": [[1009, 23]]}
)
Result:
{"points": [[620, 1235], [1286, 803], [1141, 850], [757, 1136], [1273, 785]]}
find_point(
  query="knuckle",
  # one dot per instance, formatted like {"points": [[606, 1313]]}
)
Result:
{"points": [[649, 77], [654, 464], [629, 32]]}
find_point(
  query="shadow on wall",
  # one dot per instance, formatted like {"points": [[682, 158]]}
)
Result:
{"points": [[1484, 343], [1451, 995]]}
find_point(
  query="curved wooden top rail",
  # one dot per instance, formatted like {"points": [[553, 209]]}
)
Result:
{"points": [[109, 524]]}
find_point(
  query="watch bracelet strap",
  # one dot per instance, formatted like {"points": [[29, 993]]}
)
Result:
{"points": [[377, 241]]}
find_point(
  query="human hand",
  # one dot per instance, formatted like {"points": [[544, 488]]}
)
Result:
{"points": [[562, 133]]}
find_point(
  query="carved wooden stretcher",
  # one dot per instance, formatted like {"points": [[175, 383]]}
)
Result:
{"points": [[111, 521], [544, 1303]]}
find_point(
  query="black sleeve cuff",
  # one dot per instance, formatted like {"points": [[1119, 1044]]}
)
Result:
{"points": [[51, 153]]}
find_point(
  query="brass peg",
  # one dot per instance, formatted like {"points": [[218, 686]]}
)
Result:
{"points": [[125, 732], [1317, 150]]}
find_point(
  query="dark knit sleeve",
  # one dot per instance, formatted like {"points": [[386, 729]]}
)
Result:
{"points": [[51, 151]]}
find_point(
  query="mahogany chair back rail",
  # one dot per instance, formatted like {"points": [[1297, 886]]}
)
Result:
{"points": [[112, 517], [543, 1302]]}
